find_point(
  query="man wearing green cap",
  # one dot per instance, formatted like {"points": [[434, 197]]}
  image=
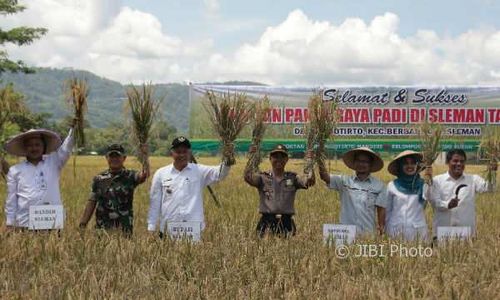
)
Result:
{"points": [[113, 193], [277, 190]]}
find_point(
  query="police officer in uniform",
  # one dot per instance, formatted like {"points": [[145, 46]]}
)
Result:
{"points": [[277, 189]]}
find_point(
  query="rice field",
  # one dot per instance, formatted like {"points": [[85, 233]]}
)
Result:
{"points": [[231, 262]]}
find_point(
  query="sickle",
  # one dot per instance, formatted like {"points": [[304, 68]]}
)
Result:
{"points": [[458, 189]]}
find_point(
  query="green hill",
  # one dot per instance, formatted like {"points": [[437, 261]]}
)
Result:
{"points": [[44, 93]]}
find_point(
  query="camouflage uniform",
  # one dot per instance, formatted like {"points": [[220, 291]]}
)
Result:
{"points": [[114, 194]]}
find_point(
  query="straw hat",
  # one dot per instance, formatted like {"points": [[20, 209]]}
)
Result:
{"points": [[393, 167], [15, 145], [377, 163]]}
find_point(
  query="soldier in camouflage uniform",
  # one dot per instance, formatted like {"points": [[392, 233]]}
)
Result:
{"points": [[277, 189], [113, 194]]}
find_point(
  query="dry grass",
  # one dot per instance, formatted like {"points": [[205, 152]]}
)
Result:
{"points": [[490, 148], [323, 118], [229, 113], [261, 111], [77, 91], [311, 130], [430, 135], [144, 108], [231, 263]]}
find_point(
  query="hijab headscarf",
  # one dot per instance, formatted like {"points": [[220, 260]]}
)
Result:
{"points": [[410, 184]]}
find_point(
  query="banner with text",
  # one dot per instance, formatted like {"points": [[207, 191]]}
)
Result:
{"points": [[379, 113]]}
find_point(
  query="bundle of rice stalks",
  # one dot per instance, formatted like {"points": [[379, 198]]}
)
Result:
{"points": [[261, 111], [325, 117], [490, 148], [143, 108], [430, 135], [314, 105], [229, 113], [77, 91]]}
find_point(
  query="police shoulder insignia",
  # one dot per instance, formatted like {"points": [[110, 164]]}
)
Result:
{"points": [[266, 173]]}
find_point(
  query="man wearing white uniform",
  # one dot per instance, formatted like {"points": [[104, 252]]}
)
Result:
{"points": [[176, 190], [457, 204], [34, 181], [362, 196]]}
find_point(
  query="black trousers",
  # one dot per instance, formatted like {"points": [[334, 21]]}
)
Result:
{"points": [[281, 225]]}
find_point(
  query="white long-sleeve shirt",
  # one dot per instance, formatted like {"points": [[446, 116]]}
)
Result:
{"points": [[405, 215], [177, 195], [28, 184], [465, 213]]}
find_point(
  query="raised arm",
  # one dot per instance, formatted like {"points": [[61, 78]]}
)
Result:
{"points": [[252, 178], [140, 177], [251, 172], [323, 173], [307, 180], [483, 186], [493, 167], [64, 151], [212, 174]]}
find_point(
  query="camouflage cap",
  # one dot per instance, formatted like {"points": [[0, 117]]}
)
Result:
{"points": [[115, 148]]}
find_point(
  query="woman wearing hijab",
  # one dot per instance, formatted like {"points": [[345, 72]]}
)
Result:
{"points": [[407, 196]]}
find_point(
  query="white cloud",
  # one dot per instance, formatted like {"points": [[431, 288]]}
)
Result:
{"points": [[305, 51], [104, 37], [125, 44]]}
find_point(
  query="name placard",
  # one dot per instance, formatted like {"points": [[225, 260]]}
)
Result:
{"points": [[448, 233], [184, 230], [42, 217], [339, 234]]}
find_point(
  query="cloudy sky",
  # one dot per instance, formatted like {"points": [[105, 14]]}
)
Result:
{"points": [[285, 42]]}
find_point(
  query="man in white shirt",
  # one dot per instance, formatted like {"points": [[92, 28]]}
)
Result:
{"points": [[456, 206], [34, 181], [362, 196], [176, 190]]}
